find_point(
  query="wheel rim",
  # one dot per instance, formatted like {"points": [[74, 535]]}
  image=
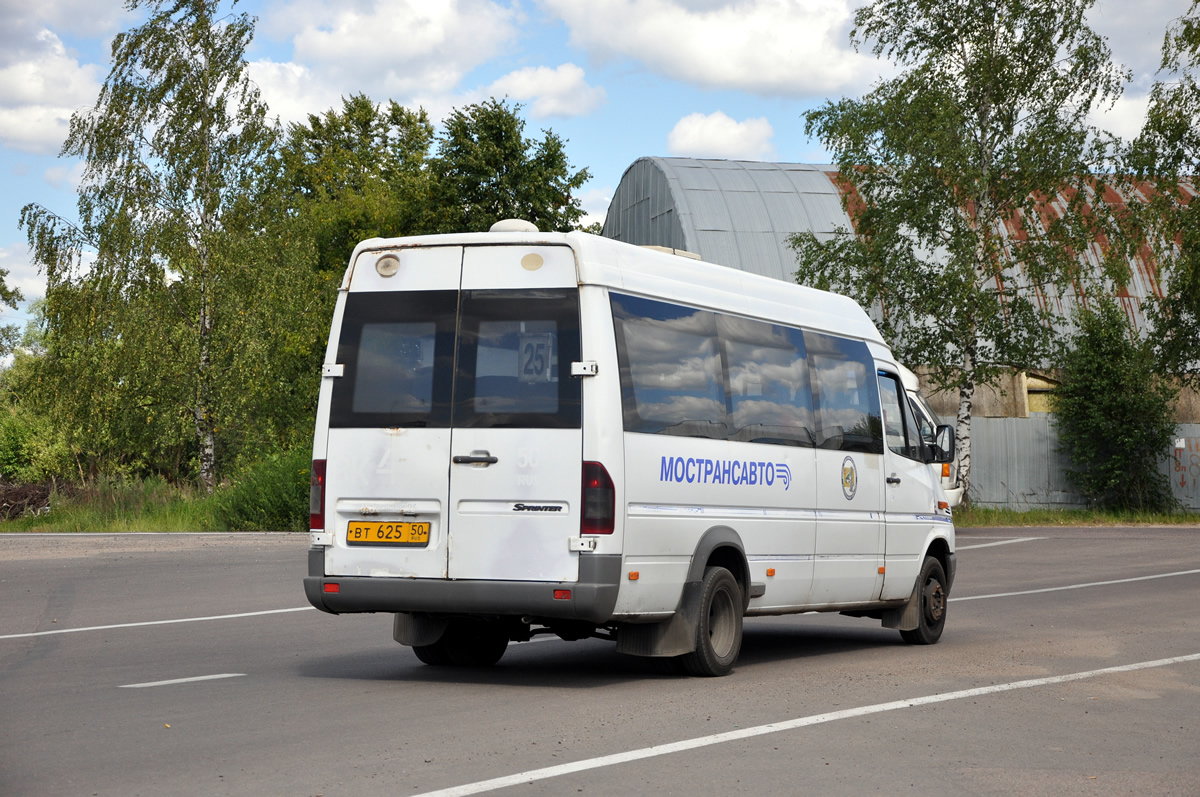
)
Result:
{"points": [[722, 622], [935, 600]]}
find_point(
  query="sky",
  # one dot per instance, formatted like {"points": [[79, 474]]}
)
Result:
{"points": [[617, 79]]}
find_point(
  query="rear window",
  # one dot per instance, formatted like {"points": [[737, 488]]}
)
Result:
{"points": [[435, 359], [515, 350]]}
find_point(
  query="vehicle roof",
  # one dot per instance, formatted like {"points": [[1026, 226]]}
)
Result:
{"points": [[648, 272]]}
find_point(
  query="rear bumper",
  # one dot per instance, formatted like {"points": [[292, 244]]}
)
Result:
{"points": [[592, 599]]}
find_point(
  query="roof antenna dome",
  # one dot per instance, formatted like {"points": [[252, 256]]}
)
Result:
{"points": [[513, 225]]}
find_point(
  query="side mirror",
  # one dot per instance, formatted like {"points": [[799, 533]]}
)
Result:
{"points": [[943, 450]]}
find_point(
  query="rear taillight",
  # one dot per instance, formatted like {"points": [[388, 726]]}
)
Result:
{"points": [[599, 500], [316, 496]]}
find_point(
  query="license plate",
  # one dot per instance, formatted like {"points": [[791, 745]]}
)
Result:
{"points": [[402, 533]]}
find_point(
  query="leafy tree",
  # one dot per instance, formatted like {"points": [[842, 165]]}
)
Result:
{"points": [[1115, 417], [140, 335], [966, 178], [9, 297], [368, 171], [357, 173], [1167, 153], [486, 170]]}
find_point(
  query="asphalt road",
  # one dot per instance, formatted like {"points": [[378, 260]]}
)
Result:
{"points": [[1070, 665]]}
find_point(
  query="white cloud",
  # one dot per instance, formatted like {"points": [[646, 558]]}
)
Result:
{"points": [[79, 17], [41, 85], [22, 274], [718, 136], [771, 47], [1135, 33], [392, 48], [595, 202], [67, 176], [292, 91], [550, 92], [1125, 118]]}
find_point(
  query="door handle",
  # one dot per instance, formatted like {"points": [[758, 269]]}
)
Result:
{"points": [[483, 458], [893, 479]]}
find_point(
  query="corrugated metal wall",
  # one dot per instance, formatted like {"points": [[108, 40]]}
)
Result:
{"points": [[1016, 464]]}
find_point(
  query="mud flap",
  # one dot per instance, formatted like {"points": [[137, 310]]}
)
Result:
{"points": [[906, 617], [673, 637], [413, 629]]}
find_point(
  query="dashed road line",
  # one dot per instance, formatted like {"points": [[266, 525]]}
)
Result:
{"points": [[993, 544], [157, 622], [185, 680]]}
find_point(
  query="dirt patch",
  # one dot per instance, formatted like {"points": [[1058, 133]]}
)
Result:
{"points": [[20, 500]]}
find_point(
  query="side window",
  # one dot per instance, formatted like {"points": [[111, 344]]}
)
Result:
{"points": [[769, 396], [927, 419], [846, 400], [899, 425], [671, 375]]}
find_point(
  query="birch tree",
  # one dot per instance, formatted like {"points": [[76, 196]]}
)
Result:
{"points": [[967, 180], [170, 150], [1167, 155]]}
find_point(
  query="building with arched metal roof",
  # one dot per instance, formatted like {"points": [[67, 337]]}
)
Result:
{"points": [[735, 213]]}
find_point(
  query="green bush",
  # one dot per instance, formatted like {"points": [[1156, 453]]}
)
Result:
{"points": [[1115, 415], [16, 442], [271, 495]]}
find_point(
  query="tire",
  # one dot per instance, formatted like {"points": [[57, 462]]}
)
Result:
{"points": [[466, 643], [719, 629], [931, 586], [434, 654]]}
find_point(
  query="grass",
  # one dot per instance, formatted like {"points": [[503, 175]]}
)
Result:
{"points": [[978, 517], [155, 505], [114, 506]]}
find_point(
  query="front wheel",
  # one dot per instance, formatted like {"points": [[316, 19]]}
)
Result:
{"points": [[931, 585], [719, 630]]}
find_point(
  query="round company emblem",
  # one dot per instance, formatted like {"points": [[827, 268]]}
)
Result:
{"points": [[849, 478]]}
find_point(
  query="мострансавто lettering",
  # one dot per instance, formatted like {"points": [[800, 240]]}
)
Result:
{"points": [[692, 470]]}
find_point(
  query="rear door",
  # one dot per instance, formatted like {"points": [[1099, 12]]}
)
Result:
{"points": [[387, 479], [455, 440], [517, 442]]}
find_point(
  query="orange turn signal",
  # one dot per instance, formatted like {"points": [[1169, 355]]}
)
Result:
{"points": [[633, 575], [945, 470], [770, 571], [881, 569]]}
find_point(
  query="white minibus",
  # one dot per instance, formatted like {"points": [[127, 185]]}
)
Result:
{"points": [[523, 433]]}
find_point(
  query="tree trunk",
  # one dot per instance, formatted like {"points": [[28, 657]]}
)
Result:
{"points": [[203, 413], [962, 434]]}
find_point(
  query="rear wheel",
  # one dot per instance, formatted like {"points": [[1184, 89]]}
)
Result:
{"points": [[931, 585], [466, 643], [719, 631]]}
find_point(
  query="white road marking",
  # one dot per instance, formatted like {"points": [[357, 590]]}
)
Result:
{"points": [[158, 622], [1075, 586], [1002, 542], [184, 680], [776, 727]]}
